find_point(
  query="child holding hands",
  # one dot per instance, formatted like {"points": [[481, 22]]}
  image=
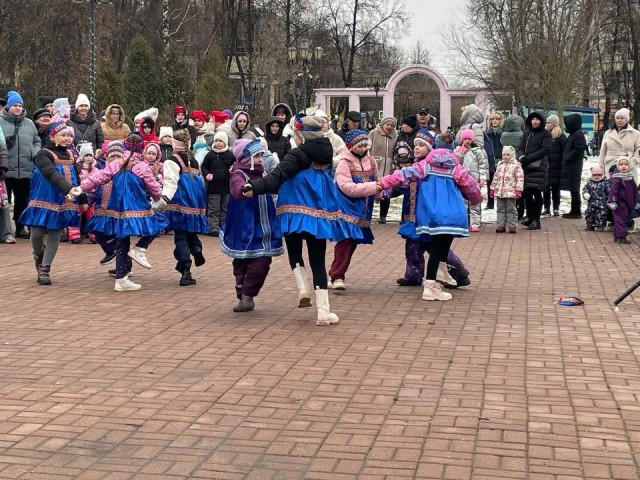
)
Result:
{"points": [[506, 187]]}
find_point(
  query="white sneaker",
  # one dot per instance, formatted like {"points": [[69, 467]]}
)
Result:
{"points": [[139, 255], [338, 284], [126, 285], [432, 291]]}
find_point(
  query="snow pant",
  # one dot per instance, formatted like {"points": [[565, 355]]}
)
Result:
{"points": [[251, 273], [317, 251], [506, 212], [217, 211], [621, 221], [490, 200], [475, 214], [38, 246], [185, 245], [85, 215], [342, 254]]}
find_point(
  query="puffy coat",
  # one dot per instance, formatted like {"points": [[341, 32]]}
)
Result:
{"points": [[616, 144], [277, 143], [512, 131], [22, 141], [572, 156], [473, 118], [111, 130], [86, 129], [382, 146], [535, 145], [231, 129], [493, 147], [555, 158], [508, 180], [218, 165]]}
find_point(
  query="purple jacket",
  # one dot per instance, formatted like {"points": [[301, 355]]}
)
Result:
{"points": [[238, 179], [624, 191]]}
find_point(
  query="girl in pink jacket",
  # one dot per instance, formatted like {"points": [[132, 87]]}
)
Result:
{"points": [[358, 188]]}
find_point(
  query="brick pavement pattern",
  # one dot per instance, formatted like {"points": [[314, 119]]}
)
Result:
{"points": [[169, 383]]}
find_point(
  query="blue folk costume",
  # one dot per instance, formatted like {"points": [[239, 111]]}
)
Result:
{"points": [[186, 210]]}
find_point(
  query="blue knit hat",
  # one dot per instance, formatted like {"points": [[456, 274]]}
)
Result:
{"points": [[244, 149], [355, 137], [13, 98], [425, 136]]}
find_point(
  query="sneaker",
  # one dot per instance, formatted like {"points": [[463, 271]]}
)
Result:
{"points": [[76, 241], [126, 285], [10, 239], [108, 258], [432, 291], [556, 213], [513, 230], [546, 212], [501, 229], [338, 284], [475, 228], [139, 255], [112, 273], [382, 220]]}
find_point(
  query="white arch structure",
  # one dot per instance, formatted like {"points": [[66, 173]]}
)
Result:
{"points": [[323, 95]]}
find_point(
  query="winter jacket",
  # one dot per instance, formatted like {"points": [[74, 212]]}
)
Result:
{"points": [[316, 151], [473, 118], [277, 143], [508, 180], [151, 137], [117, 130], [572, 156], [337, 144], [382, 147], [139, 168], [344, 178], [4, 155], [533, 153], [86, 129], [474, 161], [287, 131], [45, 162], [22, 141], [231, 129], [218, 165], [166, 152], [238, 180], [175, 126], [493, 147], [407, 137], [512, 131], [555, 158], [616, 144], [624, 191]]}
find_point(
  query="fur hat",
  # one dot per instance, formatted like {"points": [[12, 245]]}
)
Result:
{"points": [[198, 115], [624, 113], [425, 136], [553, 120], [12, 99], [179, 109], [165, 131], [355, 137], [82, 100], [84, 148], [411, 121], [57, 127], [309, 126], [467, 133], [45, 100]]}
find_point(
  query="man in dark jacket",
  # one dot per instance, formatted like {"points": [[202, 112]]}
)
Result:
{"points": [[352, 122], [533, 155], [572, 163], [42, 119], [408, 130], [276, 142], [85, 126]]}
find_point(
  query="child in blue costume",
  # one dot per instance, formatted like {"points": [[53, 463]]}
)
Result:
{"points": [[124, 209], [250, 234], [51, 206], [358, 189], [185, 200], [308, 209], [440, 208]]}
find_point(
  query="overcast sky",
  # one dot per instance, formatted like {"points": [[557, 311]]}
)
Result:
{"points": [[430, 22]]}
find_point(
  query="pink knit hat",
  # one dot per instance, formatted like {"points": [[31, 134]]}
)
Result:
{"points": [[467, 133]]}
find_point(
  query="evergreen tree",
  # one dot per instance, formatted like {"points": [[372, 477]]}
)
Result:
{"points": [[177, 87], [108, 84], [141, 89], [214, 90]]}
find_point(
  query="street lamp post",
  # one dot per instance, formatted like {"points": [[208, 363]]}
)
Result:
{"points": [[92, 43], [305, 53], [375, 81], [257, 83], [616, 66]]}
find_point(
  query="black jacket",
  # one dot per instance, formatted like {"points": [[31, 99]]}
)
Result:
{"points": [[192, 130], [318, 151], [493, 147], [572, 156], [533, 153], [407, 137], [46, 164], [166, 152], [86, 129], [555, 160], [218, 165], [277, 143]]}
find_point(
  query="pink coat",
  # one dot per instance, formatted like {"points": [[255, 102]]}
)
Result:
{"points": [[344, 180], [140, 169], [441, 160]]}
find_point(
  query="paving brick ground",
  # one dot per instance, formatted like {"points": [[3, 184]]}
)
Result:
{"points": [[169, 383]]}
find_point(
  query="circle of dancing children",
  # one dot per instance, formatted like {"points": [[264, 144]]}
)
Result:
{"points": [[51, 206], [473, 159], [596, 193], [307, 209], [623, 199], [184, 200], [357, 178], [250, 235], [124, 209], [506, 188], [441, 211]]}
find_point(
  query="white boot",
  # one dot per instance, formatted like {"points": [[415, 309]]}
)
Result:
{"points": [[444, 277], [139, 255], [432, 291], [325, 317], [304, 292], [126, 285]]}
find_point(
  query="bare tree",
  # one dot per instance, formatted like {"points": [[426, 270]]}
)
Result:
{"points": [[419, 54]]}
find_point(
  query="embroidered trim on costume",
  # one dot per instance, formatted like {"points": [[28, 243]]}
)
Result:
{"points": [[56, 207], [186, 210]]}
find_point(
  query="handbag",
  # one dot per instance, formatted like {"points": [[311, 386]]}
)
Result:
{"points": [[532, 166]]}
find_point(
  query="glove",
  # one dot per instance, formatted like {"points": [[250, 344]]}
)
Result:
{"points": [[518, 194], [492, 193], [159, 204], [612, 205], [586, 196], [209, 177]]}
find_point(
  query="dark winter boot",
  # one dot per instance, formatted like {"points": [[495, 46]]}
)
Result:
{"points": [[245, 304], [198, 259], [239, 291], [187, 279], [38, 259], [43, 275]]}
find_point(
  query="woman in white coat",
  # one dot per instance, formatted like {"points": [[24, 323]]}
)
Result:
{"points": [[621, 141]]}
